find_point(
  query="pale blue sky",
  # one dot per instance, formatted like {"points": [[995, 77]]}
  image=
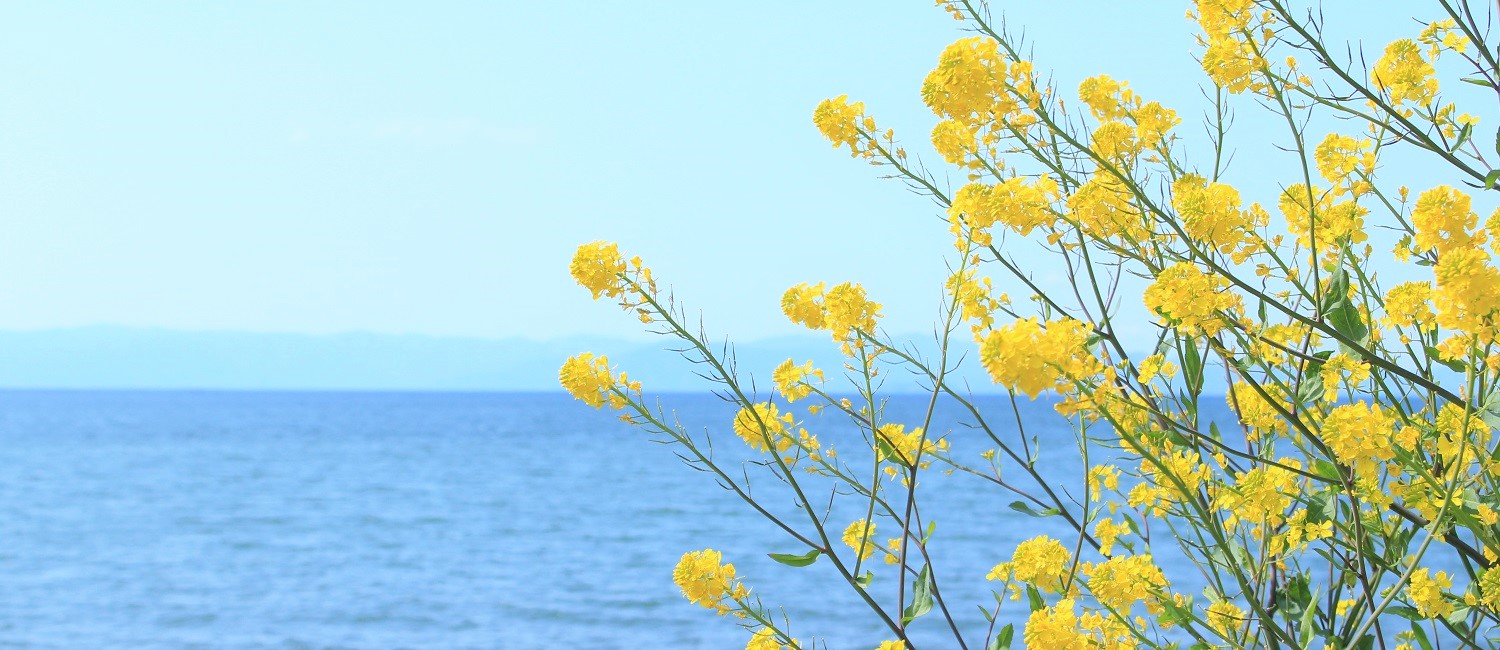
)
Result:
{"points": [[322, 167]]}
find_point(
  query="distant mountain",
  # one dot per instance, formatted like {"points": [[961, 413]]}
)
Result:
{"points": [[123, 357]]}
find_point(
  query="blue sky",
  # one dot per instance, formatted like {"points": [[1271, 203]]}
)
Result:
{"points": [[306, 167]]}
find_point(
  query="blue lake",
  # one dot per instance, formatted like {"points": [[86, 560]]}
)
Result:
{"points": [[429, 520]]}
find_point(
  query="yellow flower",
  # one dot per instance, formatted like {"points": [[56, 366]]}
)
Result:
{"points": [[977, 84], [891, 645], [1231, 59], [1339, 368], [975, 297], [1122, 581], [1346, 162], [1152, 124], [764, 639], [1443, 218], [839, 121], [1409, 304], [1191, 299], [1102, 208], [791, 379], [1426, 592], [1404, 74], [1468, 292], [1225, 618], [858, 535], [599, 267], [1103, 477], [803, 304], [1360, 436], [1211, 213], [1040, 561], [707, 582], [1108, 531], [1489, 588], [1018, 203], [587, 377], [1116, 142], [1331, 224], [1106, 98], [757, 423], [1056, 628], [1024, 356], [903, 444], [1259, 496], [954, 141]]}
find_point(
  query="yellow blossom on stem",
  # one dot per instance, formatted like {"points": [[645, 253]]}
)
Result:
{"points": [[1404, 74], [1056, 627], [858, 536], [955, 142], [839, 120], [1259, 496], [1409, 304], [1360, 435], [1122, 581], [765, 639], [1106, 98], [1232, 59], [1103, 208], [598, 267], [1108, 531], [1342, 368], [791, 379], [588, 378], [1426, 592], [1443, 218], [1331, 224], [901, 446], [1040, 561], [1468, 292], [1019, 203], [1191, 299], [1346, 162], [1026, 356], [1224, 618], [705, 581], [757, 423], [1211, 213]]}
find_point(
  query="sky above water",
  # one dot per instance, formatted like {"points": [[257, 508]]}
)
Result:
{"points": [[429, 168]]}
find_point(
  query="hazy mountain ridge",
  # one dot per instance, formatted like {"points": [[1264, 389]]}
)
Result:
{"points": [[150, 358]]}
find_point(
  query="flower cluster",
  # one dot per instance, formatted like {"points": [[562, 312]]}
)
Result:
{"points": [[707, 582], [1032, 357], [842, 310], [1192, 300], [588, 378]]}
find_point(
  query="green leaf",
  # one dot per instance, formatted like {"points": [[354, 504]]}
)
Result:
{"points": [[1003, 639], [1490, 178], [796, 560], [1408, 613], [1308, 616], [1034, 598], [1023, 508], [865, 580], [931, 527], [921, 597], [1477, 82], [1420, 636], [1463, 136], [1192, 366]]}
